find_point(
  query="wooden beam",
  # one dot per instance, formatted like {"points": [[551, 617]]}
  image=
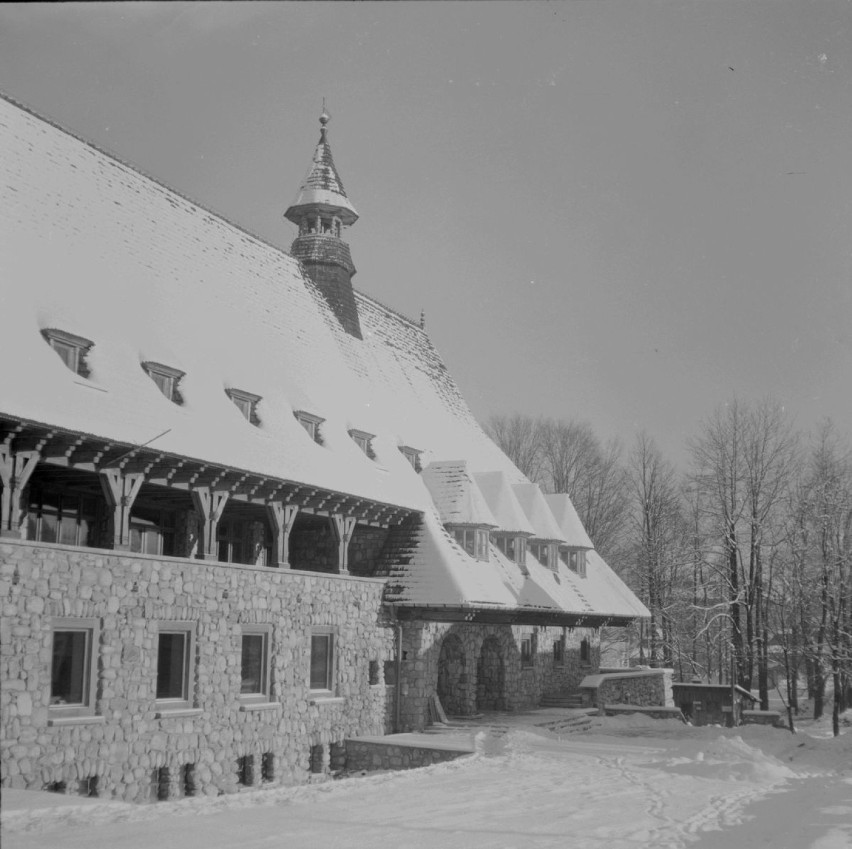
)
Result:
{"points": [[15, 471], [120, 489], [210, 503], [342, 527], [282, 516]]}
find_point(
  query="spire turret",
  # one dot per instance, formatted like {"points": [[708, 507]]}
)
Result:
{"points": [[321, 210]]}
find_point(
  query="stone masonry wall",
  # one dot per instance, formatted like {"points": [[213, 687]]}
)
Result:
{"points": [[369, 756], [522, 686], [133, 746], [648, 688]]}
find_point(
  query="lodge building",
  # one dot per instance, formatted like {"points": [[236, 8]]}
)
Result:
{"points": [[245, 513]]}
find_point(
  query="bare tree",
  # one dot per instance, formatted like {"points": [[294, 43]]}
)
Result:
{"points": [[519, 438]]}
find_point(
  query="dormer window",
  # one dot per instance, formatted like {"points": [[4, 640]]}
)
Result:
{"points": [[473, 540], [412, 455], [364, 441], [246, 403], [311, 424], [576, 561], [514, 547], [167, 380], [72, 349], [546, 553]]}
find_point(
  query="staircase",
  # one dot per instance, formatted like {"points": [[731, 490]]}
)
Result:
{"points": [[573, 701]]}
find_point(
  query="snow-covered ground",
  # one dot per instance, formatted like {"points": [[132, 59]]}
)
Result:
{"points": [[629, 782]]}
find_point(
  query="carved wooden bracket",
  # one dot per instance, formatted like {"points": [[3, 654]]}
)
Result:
{"points": [[120, 490], [343, 528], [281, 517], [15, 471], [210, 504]]}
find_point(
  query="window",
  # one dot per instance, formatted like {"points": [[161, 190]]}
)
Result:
{"points": [[153, 532], [412, 455], [72, 679], [576, 560], [167, 380], [474, 541], [66, 518], [559, 651], [541, 552], [241, 541], [72, 349], [311, 424], [246, 403], [514, 547], [527, 650], [322, 661], [364, 441], [174, 662], [254, 664], [585, 652]]}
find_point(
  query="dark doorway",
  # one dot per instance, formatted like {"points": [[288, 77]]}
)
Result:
{"points": [[452, 678], [490, 676]]}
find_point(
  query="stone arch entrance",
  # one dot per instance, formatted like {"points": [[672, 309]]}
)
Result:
{"points": [[452, 676], [490, 676]]}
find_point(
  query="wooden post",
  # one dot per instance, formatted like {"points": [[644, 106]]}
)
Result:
{"points": [[15, 471], [281, 516], [210, 503], [120, 491], [343, 528]]}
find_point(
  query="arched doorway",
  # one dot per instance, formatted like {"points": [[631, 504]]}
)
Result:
{"points": [[452, 680], [490, 676]]}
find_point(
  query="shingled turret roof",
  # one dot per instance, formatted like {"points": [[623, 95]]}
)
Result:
{"points": [[322, 188]]}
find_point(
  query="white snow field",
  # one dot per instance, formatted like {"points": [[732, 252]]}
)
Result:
{"points": [[629, 782]]}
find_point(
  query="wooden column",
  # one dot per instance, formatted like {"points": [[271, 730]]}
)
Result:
{"points": [[15, 471], [210, 504], [120, 490], [281, 516], [343, 528]]}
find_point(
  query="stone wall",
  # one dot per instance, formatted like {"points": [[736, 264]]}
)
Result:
{"points": [[367, 755], [460, 672], [133, 747], [645, 687]]}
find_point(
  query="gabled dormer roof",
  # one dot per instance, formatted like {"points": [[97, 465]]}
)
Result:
{"points": [[456, 495], [538, 512], [502, 502], [322, 189], [568, 520]]}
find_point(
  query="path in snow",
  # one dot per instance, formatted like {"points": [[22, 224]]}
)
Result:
{"points": [[522, 788]]}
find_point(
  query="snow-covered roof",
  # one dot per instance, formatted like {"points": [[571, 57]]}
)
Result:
{"points": [[96, 249], [508, 513], [538, 512], [568, 520], [456, 495]]}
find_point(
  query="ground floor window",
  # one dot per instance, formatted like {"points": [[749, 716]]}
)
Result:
{"points": [[527, 650], [322, 661], [254, 664], [174, 663], [559, 651], [585, 651], [72, 682]]}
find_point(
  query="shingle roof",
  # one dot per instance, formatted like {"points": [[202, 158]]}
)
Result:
{"points": [[568, 520], [503, 503], [94, 248], [456, 495], [538, 513]]}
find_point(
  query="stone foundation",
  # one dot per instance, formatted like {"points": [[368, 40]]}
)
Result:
{"points": [[129, 745], [370, 756]]}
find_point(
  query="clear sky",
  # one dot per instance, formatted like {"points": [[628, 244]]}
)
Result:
{"points": [[624, 212]]}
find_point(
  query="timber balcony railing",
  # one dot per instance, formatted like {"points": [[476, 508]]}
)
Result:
{"points": [[59, 486]]}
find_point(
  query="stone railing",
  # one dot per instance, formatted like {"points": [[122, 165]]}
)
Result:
{"points": [[637, 687]]}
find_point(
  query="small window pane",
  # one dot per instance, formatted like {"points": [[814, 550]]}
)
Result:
{"points": [[171, 666], [321, 646], [49, 525], [253, 664], [69, 668]]}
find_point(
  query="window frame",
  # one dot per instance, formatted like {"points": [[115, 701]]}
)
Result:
{"points": [[76, 346], [240, 397], [311, 423], [527, 650], [264, 693], [171, 377], [479, 539], [412, 455], [364, 441], [330, 689], [92, 629], [187, 698]]}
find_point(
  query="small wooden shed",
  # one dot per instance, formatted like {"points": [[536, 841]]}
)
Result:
{"points": [[712, 704]]}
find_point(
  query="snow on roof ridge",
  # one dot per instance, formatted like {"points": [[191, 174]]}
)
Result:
{"points": [[136, 169]]}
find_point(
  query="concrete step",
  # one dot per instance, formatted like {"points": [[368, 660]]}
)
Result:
{"points": [[573, 700]]}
